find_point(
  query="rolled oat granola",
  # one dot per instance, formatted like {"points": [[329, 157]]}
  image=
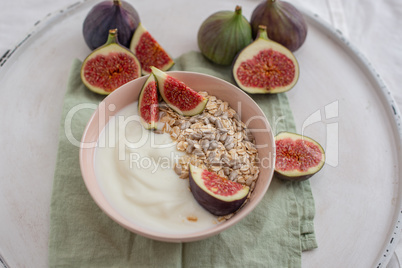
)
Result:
{"points": [[216, 140]]}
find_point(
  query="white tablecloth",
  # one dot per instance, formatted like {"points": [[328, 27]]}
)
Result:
{"points": [[375, 27]]}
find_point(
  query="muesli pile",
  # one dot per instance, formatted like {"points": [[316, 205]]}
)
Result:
{"points": [[216, 140]]}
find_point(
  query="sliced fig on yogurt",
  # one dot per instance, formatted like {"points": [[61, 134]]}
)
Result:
{"points": [[177, 95], [149, 52], [297, 157], [148, 104], [216, 194], [265, 66]]}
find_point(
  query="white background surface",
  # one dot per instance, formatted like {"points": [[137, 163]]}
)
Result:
{"points": [[372, 26]]}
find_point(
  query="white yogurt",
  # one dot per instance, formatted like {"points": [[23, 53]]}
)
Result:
{"points": [[134, 168]]}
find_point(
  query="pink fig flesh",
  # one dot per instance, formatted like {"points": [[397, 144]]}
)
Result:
{"points": [[109, 66], [297, 157], [148, 104], [149, 52], [177, 95]]}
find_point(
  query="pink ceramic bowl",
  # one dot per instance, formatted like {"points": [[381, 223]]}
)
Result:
{"points": [[250, 113]]}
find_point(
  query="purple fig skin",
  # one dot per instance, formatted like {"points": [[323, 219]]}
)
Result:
{"points": [[212, 204], [285, 24], [110, 15], [296, 179]]}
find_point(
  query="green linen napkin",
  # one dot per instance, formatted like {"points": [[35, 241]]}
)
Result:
{"points": [[81, 235]]}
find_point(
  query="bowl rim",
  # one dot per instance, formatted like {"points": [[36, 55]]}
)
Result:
{"points": [[151, 233]]}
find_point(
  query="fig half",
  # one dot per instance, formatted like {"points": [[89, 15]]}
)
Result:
{"points": [[216, 194], [148, 104], [265, 66], [297, 157], [109, 66], [177, 95]]}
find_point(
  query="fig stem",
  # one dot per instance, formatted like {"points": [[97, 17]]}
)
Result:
{"points": [[117, 2], [262, 32], [238, 10], [270, 3], [112, 37]]}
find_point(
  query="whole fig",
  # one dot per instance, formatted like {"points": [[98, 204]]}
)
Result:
{"points": [[285, 24], [223, 34], [109, 15]]}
